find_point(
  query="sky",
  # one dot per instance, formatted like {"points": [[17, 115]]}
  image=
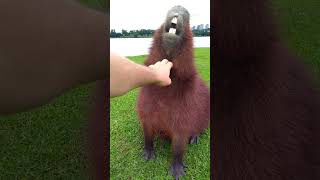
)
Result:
{"points": [[150, 14]]}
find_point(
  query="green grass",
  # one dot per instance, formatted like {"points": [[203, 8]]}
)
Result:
{"points": [[126, 138], [102, 5], [47, 142], [300, 27]]}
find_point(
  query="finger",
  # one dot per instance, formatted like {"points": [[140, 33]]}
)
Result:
{"points": [[165, 61], [151, 66], [170, 64], [168, 82], [157, 63]]}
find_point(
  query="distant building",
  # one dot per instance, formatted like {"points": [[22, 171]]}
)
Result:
{"points": [[201, 26]]}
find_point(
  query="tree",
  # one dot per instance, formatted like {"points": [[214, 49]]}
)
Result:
{"points": [[124, 33]]}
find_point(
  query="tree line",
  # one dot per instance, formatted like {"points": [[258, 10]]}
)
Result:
{"points": [[145, 33]]}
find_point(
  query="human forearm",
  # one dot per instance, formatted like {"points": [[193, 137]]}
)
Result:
{"points": [[126, 75]]}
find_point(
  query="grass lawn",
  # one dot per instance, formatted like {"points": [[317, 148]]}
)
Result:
{"points": [[300, 27], [102, 5], [47, 142], [126, 138]]}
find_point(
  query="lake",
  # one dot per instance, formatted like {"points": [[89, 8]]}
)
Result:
{"points": [[140, 46]]}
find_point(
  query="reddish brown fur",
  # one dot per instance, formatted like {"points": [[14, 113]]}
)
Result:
{"points": [[266, 107], [98, 125], [181, 109]]}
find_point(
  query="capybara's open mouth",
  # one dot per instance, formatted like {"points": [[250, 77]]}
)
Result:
{"points": [[173, 28]]}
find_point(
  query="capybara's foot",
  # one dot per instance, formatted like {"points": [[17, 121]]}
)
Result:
{"points": [[148, 154], [177, 170], [194, 139]]}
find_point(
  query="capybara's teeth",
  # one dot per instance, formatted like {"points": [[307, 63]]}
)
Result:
{"points": [[172, 30], [174, 20]]}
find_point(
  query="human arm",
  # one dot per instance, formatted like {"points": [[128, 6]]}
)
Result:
{"points": [[126, 75]]}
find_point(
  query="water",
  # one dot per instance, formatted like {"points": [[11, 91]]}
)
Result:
{"points": [[140, 46]]}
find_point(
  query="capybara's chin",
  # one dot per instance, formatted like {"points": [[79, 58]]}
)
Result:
{"points": [[170, 41]]}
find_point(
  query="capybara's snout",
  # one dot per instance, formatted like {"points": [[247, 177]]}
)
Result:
{"points": [[177, 17], [174, 28]]}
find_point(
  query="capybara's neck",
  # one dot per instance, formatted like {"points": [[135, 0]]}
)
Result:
{"points": [[242, 29], [181, 57]]}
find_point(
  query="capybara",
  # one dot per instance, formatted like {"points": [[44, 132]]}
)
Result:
{"points": [[181, 111], [266, 110]]}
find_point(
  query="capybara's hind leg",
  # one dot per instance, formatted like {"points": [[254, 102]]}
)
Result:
{"points": [[194, 139], [178, 147], [148, 152]]}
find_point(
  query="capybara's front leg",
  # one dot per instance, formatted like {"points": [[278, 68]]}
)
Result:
{"points": [[148, 152], [179, 143], [194, 139]]}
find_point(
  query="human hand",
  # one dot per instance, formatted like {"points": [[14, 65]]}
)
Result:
{"points": [[162, 71]]}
